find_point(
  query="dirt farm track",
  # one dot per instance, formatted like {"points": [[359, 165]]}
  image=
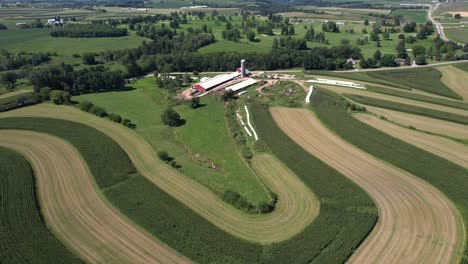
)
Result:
{"points": [[417, 223]]}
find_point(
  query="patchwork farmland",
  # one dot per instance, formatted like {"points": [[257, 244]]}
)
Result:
{"points": [[233, 132]]}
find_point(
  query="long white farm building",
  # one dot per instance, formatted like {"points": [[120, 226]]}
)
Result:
{"points": [[215, 81]]}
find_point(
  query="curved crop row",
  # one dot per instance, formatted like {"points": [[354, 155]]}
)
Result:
{"points": [[276, 226], [454, 151], [73, 209], [24, 238], [347, 214], [447, 177]]}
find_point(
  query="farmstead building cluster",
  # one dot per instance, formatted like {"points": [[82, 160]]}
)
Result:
{"points": [[238, 79]]}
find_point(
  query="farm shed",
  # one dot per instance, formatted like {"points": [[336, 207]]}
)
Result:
{"points": [[241, 85], [215, 81]]}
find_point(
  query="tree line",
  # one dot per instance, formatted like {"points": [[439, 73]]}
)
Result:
{"points": [[13, 61], [88, 80], [89, 31]]}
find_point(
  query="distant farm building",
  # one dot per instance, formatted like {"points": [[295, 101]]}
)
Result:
{"points": [[55, 21]]}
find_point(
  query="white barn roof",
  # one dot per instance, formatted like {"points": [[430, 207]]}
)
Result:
{"points": [[241, 85], [217, 80]]}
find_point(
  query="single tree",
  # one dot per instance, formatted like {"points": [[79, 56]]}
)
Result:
{"points": [[171, 118]]}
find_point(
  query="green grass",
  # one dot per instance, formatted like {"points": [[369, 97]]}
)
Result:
{"points": [[424, 79], [38, 40], [409, 109], [459, 34], [347, 214], [202, 140], [418, 16], [462, 66], [448, 177], [24, 237], [419, 97]]}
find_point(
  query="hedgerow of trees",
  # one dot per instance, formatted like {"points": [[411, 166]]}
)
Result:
{"points": [[89, 31]]}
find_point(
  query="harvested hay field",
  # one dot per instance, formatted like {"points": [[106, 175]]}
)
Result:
{"points": [[446, 148], [423, 123], [277, 226], [24, 236], [396, 99], [456, 79], [416, 221], [74, 210]]}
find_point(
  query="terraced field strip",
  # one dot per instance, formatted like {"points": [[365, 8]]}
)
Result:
{"points": [[342, 90], [14, 93], [74, 210], [282, 224], [446, 148], [424, 123], [24, 237], [417, 223], [456, 79]]}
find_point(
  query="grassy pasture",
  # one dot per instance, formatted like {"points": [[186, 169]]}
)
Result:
{"points": [[38, 40], [25, 238], [418, 16], [448, 177], [409, 109], [458, 34], [353, 216], [202, 139]]}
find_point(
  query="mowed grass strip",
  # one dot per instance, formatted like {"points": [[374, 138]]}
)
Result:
{"points": [[427, 124], [75, 211], [449, 178], [426, 79], [453, 151], [347, 213], [420, 97], [409, 109], [456, 79], [24, 237]]}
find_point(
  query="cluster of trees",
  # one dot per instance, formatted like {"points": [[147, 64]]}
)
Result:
{"points": [[330, 26], [13, 61], [232, 34], [64, 77], [290, 43], [314, 37], [378, 60], [101, 112], [89, 31]]}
